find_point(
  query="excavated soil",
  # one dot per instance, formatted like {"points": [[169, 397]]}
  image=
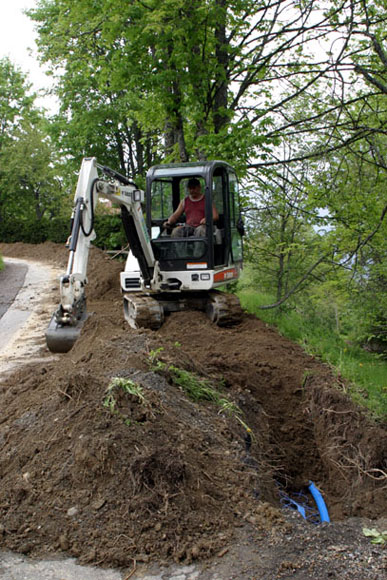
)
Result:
{"points": [[160, 476]]}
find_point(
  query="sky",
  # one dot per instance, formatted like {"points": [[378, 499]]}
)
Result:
{"points": [[17, 41]]}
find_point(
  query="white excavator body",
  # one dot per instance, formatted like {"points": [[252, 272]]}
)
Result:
{"points": [[162, 274]]}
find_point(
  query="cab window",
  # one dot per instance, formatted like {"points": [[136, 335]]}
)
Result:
{"points": [[161, 195], [183, 186], [236, 240]]}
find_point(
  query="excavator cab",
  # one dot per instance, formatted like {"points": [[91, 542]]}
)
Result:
{"points": [[203, 258]]}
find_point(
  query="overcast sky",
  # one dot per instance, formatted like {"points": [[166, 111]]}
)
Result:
{"points": [[17, 41]]}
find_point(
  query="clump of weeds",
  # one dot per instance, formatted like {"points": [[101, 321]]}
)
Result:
{"points": [[128, 387]]}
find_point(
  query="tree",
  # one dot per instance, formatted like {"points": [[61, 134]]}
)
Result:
{"points": [[358, 218], [31, 175], [204, 79], [287, 91], [30, 185], [15, 104], [15, 100]]}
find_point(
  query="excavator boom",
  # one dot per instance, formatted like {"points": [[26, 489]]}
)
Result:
{"points": [[67, 321]]}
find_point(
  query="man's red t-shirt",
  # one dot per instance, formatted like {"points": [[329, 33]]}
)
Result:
{"points": [[194, 211]]}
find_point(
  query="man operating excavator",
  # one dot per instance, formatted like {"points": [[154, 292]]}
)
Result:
{"points": [[194, 208]]}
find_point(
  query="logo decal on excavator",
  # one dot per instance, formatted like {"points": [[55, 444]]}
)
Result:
{"points": [[226, 275]]}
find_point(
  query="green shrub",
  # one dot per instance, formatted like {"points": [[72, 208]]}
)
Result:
{"points": [[110, 234]]}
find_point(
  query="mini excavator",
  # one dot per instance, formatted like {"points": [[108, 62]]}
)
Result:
{"points": [[163, 273]]}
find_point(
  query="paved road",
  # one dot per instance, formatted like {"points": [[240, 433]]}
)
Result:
{"points": [[11, 280], [26, 301], [16, 567]]}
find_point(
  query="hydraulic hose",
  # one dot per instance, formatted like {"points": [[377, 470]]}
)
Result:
{"points": [[320, 503], [113, 173], [87, 234]]}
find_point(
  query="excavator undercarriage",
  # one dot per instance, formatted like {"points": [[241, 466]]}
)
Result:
{"points": [[145, 311]]}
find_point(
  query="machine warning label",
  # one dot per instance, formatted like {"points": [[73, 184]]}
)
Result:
{"points": [[196, 265]]}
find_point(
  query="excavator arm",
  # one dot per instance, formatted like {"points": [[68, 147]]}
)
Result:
{"points": [[66, 323]]}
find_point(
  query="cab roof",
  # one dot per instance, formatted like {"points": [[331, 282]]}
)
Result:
{"points": [[202, 168]]}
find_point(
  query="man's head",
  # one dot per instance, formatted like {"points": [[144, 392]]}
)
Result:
{"points": [[194, 187]]}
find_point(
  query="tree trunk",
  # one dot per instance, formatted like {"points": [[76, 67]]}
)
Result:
{"points": [[139, 148], [281, 259], [221, 82], [174, 129]]}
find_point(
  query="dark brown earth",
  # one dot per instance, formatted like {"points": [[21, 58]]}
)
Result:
{"points": [[165, 478]]}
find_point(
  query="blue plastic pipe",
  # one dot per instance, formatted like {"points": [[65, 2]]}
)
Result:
{"points": [[320, 503]]}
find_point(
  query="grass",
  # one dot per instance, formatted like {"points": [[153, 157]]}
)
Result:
{"points": [[1, 263], [127, 386], [197, 388], [366, 372], [200, 389]]}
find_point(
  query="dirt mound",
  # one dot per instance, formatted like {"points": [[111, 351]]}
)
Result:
{"points": [[48, 252], [144, 471], [103, 273]]}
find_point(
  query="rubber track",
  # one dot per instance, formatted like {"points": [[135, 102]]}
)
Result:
{"points": [[144, 312], [224, 309]]}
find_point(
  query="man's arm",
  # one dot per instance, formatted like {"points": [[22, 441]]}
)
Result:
{"points": [[176, 214], [215, 215]]}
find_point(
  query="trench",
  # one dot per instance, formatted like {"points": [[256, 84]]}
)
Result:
{"points": [[306, 427]]}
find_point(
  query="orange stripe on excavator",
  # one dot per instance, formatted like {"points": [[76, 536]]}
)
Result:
{"points": [[226, 275]]}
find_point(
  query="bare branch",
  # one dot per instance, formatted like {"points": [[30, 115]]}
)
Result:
{"points": [[296, 286]]}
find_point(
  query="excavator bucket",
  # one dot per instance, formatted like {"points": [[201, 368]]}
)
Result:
{"points": [[61, 338]]}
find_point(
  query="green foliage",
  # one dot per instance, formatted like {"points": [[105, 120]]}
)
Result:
{"points": [[1, 263], [377, 537], [197, 388], [31, 186], [128, 387], [351, 189], [29, 177], [135, 73], [155, 363], [110, 234], [15, 102], [201, 389], [33, 231]]}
